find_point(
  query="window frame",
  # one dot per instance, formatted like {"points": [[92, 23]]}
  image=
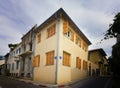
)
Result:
{"points": [[68, 62], [50, 58], [78, 63], [51, 30]]}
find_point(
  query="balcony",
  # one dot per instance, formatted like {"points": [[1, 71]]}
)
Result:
{"points": [[16, 58], [25, 53]]}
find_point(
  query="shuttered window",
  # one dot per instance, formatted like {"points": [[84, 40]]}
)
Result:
{"points": [[65, 27], [72, 36], [85, 65], [38, 38], [36, 61], [50, 58], [76, 40], [66, 59], [51, 31], [78, 63]]}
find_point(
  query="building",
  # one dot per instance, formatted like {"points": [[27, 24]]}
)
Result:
{"points": [[2, 65], [13, 62], [27, 48], [97, 62], [61, 51]]}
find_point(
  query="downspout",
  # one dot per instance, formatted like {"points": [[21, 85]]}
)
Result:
{"points": [[33, 49], [57, 50]]}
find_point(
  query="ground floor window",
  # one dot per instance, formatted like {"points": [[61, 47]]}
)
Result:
{"points": [[50, 58], [17, 64], [85, 65], [12, 66], [78, 63], [36, 61], [66, 59]]}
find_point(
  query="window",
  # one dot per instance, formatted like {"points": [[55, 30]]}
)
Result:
{"points": [[72, 36], [84, 47], [12, 66], [50, 58], [17, 64], [78, 41], [51, 31], [66, 59], [38, 38], [78, 63], [23, 64], [36, 61], [84, 65], [65, 27], [19, 50]]}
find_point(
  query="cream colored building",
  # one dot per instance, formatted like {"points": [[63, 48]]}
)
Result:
{"points": [[13, 62], [61, 51], [27, 48], [97, 62]]}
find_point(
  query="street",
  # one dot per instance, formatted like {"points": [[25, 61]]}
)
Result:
{"points": [[98, 82], [6, 82]]}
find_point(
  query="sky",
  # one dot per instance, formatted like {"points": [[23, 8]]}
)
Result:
{"points": [[91, 16]]}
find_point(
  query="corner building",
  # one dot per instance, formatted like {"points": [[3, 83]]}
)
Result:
{"points": [[61, 51]]}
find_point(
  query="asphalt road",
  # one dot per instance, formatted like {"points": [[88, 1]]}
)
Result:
{"points": [[99, 82], [6, 82]]}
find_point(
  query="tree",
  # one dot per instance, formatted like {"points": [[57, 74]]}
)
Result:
{"points": [[12, 46], [114, 31]]}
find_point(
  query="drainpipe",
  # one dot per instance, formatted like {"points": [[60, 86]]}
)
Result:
{"points": [[57, 50]]}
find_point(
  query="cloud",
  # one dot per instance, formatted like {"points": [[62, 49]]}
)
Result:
{"points": [[92, 17]]}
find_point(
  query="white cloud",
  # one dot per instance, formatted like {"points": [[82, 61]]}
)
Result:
{"points": [[92, 17]]}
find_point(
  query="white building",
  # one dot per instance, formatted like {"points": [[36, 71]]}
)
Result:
{"points": [[13, 63]]}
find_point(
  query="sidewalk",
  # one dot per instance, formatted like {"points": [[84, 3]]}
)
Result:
{"points": [[67, 85]]}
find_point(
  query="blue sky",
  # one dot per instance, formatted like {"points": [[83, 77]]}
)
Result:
{"points": [[91, 16]]}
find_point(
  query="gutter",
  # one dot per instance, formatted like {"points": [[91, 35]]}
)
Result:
{"points": [[57, 50]]}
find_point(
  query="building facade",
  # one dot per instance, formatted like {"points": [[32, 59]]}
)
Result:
{"points": [[27, 48], [97, 62], [13, 61], [61, 51]]}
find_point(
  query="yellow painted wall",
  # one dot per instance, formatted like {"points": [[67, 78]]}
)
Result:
{"points": [[43, 73], [46, 74], [65, 73]]}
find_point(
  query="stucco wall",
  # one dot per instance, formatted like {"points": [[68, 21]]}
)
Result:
{"points": [[45, 73], [65, 73]]}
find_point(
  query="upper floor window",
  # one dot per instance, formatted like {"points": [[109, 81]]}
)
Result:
{"points": [[50, 58], [84, 47], [38, 38], [78, 41], [66, 59], [51, 30]]}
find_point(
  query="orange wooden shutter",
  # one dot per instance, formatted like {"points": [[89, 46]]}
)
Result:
{"points": [[34, 61], [37, 60], [65, 27], [72, 36], [76, 40]]}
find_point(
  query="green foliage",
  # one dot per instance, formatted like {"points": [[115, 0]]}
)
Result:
{"points": [[12, 46], [114, 61], [114, 29]]}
